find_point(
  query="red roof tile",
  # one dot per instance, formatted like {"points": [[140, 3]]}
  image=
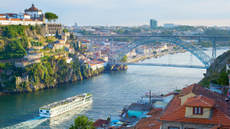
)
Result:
{"points": [[200, 101], [220, 113], [99, 122], [179, 116], [154, 111], [150, 122]]}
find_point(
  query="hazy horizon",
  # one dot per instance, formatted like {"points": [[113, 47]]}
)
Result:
{"points": [[129, 12]]}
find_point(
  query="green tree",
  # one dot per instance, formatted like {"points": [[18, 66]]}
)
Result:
{"points": [[120, 31], [124, 59], [57, 34], [82, 122], [65, 30], [51, 16], [71, 36], [223, 79]]}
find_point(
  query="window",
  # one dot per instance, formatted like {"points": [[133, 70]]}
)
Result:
{"points": [[47, 111], [173, 127], [198, 110], [40, 110]]}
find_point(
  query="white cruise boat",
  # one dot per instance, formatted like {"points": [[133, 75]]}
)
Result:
{"points": [[62, 106]]}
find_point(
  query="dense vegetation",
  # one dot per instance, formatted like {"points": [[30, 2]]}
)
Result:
{"points": [[15, 42], [217, 71], [47, 73], [13, 49], [217, 32]]}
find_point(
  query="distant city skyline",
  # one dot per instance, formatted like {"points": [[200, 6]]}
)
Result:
{"points": [[129, 12]]}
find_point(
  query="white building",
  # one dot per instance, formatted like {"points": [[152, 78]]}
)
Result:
{"points": [[169, 25], [34, 12], [31, 16]]}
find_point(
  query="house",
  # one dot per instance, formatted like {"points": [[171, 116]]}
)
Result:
{"points": [[100, 124], [19, 80], [137, 110], [58, 46], [89, 54], [22, 63], [68, 60], [71, 50], [196, 108]]}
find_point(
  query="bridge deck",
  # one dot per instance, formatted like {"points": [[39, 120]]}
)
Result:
{"points": [[165, 65]]}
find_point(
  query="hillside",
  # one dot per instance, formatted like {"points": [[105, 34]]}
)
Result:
{"points": [[217, 71]]}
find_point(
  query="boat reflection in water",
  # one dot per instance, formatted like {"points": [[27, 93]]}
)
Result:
{"points": [[66, 118]]}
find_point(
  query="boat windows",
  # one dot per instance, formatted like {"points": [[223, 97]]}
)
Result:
{"points": [[47, 111], [40, 110]]}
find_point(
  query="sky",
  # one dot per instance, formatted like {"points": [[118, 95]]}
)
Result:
{"points": [[128, 12]]}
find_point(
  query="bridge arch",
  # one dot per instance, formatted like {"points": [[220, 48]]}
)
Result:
{"points": [[203, 57]]}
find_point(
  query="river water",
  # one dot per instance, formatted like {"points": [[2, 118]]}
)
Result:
{"points": [[111, 91]]}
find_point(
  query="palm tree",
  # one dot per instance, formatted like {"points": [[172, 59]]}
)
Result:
{"points": [[82, 122]]}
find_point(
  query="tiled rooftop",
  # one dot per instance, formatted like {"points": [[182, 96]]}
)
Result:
{"points": [[220, 111]]}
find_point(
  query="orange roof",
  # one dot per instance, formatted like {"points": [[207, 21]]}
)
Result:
{"points": [[2, 15], [199, 101], [219, 100], [16, 19], [205, 98], [33, 8], [25, 14], [220, 127], [154, 111], [173, 93], [3, 18], [150, 122], [100, 122], [179, 116]]}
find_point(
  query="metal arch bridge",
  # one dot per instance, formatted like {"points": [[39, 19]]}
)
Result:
{"points": [[178, 40]]}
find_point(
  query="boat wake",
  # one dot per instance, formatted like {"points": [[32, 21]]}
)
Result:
{"points": [[28, 124]]}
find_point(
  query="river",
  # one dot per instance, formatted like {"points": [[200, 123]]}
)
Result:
{"points": [[111, 91]]}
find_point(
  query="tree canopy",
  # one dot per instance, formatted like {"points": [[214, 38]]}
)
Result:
{"points": [[51, 16], [82, 122]]}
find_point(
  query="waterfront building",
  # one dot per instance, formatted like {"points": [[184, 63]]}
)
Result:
{"points": [[153, 24], [138, 110]]}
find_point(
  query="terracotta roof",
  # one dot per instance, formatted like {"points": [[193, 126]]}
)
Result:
{"points": [[26, 14], [16, 19], [154, 111], [219, 100], [33, 8], [11, 14], [150, 122], [220, 111], [2, 15], [179, 116], [220, 127], [199, 101], [99, 122], [3, 19], [173, 93]]}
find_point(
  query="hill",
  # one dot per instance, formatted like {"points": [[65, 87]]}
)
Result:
{"points": [[216, 73]]}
